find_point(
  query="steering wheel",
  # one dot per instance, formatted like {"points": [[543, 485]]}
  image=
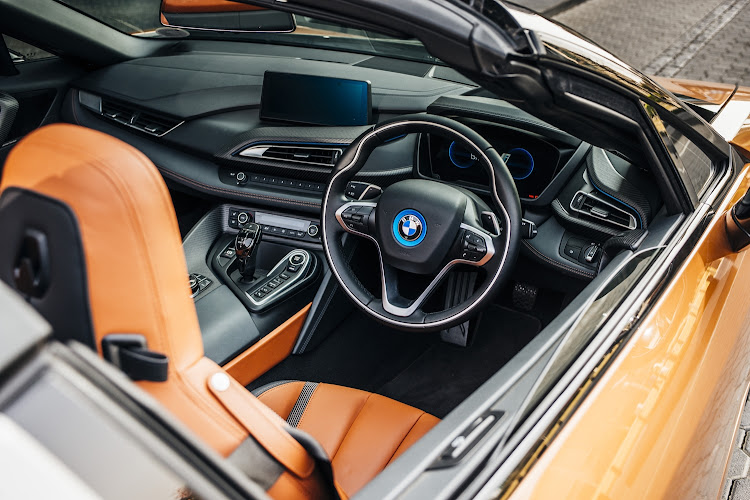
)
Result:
{"points": [[424, 227]]}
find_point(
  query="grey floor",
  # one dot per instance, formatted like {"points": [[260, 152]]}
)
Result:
{"points": [[693, 39]]}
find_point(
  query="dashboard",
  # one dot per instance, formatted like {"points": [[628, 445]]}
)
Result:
{"points": [[198, 114]]}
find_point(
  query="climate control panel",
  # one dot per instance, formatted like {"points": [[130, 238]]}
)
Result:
{"points": [[275, 224]]}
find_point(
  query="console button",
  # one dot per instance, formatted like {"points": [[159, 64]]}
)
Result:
{"points": [[272, 285], [259, 295], [572, 252], [313, 230], [228, 253], [243, 218], [297, 259], [284, 276], [241, 178], [265, 289], [590, 254], [292, 268]]}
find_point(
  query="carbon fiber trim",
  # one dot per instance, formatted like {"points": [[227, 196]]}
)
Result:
{"points": [[608, 180], [197, 244], [8, 110], [560, 266], [301, 405]]}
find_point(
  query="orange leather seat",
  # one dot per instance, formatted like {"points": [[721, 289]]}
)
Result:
{"points": [[350, 425], [135, 281]]}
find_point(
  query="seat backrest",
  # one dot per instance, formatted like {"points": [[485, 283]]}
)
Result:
{"points": [[111, 257]]}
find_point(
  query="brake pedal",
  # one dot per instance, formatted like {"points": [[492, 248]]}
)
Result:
{"points": [[524, 296]]}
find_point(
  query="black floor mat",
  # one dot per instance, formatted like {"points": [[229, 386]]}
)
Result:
{"points": [[360, 353], [446, 374], [416, 369]]}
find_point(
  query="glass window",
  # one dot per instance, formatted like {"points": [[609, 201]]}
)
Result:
{"points": [[697, 164]]}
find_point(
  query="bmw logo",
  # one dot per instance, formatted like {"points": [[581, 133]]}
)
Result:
{"points": [[409, 228]]}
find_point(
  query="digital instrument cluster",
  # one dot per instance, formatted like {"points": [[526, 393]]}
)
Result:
{"points": [[532, 162]]}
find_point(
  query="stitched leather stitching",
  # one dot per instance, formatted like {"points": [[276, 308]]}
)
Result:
{"points": [[351, 424], [555, 263], [404, 438], [234, 192]]}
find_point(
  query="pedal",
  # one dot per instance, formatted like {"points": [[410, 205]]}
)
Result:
{"points": [[459, 287], [524, 296]]}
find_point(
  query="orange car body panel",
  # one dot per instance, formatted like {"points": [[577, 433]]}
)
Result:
{"points": [[713, 93], [742, 139], [661, 421]]}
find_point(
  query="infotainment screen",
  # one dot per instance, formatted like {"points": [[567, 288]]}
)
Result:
{"points": [[315, 100]]}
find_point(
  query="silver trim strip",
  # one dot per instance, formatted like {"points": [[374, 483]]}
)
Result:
{"points": [[257, 151], [326, 243], [294, 280], [631, 225]]}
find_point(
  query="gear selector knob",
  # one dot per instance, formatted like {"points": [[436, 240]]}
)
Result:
{"points": [[245, 245]]}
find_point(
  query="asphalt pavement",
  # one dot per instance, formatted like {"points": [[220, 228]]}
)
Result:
{"points": [[694, 39]]}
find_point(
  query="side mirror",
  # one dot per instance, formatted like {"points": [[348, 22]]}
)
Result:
{"points": [[738, 223], [224, 15]]}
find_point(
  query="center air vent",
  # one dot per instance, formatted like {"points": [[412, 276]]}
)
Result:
{"points": [[604, 212], [312, 155], [126, 114]]}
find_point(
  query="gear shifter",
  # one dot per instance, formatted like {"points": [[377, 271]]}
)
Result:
{"points": [[245, 245]]}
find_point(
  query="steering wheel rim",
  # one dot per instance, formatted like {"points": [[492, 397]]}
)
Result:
{"points": [[498, 266]]}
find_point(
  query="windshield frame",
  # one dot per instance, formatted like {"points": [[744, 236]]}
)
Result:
{"points": [[350, 38]]}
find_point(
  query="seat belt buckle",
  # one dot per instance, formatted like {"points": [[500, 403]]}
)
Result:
{"points": [[129, 352]]}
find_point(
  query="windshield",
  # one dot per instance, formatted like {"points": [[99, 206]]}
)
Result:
{"points": [[144, 18]]}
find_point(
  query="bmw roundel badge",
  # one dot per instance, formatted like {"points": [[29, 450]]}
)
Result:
{"points": [[409, 228]]}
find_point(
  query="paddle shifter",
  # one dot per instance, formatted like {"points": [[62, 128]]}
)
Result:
{"points": [[245, 245]]}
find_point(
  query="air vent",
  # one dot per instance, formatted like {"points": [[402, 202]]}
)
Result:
{"points": [[603, 212], [129, 115], [311, 155], [153, 123]]}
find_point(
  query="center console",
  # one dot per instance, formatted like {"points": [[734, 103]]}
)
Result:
{"points": [[251, 270]]}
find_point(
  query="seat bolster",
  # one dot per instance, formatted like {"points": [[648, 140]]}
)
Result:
{"points": [[361, 432], [280, 397], [374, 438]]}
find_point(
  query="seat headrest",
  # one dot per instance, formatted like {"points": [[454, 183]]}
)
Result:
{"points": [[134, 263]]}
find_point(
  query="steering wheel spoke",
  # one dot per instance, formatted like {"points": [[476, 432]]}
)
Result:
{"points": [[394, 303], [357, 217]]}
